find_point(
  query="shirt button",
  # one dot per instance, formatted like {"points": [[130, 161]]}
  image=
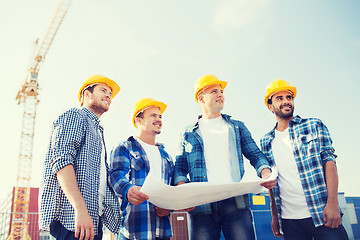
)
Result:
{"points": [[204, 176]]}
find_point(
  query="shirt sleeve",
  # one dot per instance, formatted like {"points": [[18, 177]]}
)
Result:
{"points": [[251, 151], [66, 138], [327, 152], [181, 167], [119, 170]]}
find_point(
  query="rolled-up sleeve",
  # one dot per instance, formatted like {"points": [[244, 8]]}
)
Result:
{"points": [[327, 152], [66, 140]]}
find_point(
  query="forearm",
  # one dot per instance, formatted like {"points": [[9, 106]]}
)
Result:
{"points": [[67, 180], [272, 204], [332, 181]]}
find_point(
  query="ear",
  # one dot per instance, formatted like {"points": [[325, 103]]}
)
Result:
{"points": [[137, 120], [271, 108], [86, 93], [201, 98]]}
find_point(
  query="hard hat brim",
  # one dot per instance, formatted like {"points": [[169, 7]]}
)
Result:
{"points": [[280, 89], [217, 82], [99, 79], [152, 103]]}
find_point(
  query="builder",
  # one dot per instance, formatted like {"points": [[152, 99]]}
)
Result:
{"points": [[75, 197], [305, 199], [212, 150]]}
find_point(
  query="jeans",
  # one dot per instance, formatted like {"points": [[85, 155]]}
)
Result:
{"points": [[303, 229], [226, 217], [119, 236], [59, 232]]}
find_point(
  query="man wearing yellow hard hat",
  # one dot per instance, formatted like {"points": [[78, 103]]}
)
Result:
{"points": [[74, 186], [212, 151], [302, 151], [131, 161]]}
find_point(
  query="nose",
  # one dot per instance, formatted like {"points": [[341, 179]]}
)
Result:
{"points": [[108, 95]]}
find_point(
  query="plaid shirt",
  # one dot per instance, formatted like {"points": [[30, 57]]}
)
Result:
{"points": [[312, 148], [191, 159], [75, 140], [129, 166]]}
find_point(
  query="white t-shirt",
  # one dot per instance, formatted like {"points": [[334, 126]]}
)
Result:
{"points": [[293, 203], [154, 156], [215, 135], [102, 188]]}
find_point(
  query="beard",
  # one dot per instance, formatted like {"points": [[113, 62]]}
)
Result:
{"points": [[283, 115]]}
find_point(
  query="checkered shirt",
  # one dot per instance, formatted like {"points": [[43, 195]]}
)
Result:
{"points": [[312, 148], [129, 166], [75, 140], [191, 159]]}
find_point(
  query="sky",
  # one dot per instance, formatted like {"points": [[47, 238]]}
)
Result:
{"points": [[159, 49]]}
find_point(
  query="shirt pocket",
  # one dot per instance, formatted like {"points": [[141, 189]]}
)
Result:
{"points": [[136, 161], [309, 145]]}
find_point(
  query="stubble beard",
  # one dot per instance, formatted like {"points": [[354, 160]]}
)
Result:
{"points": [[282, 115]]}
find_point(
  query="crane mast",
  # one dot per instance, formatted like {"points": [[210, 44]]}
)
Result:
{"points": [[28, 96]]}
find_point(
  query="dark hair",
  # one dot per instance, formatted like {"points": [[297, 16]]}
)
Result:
{"points": [[140, 115], [90, 88], [269, 101]]}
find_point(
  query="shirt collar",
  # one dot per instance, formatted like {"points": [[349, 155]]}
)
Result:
{"points": [[296, 120], [92, 116], [196, 125], [132, 139]]}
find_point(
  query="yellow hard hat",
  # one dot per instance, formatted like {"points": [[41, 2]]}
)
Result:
{"points": [[144, 103], [278, 85], [205, 81], [99, 79]]}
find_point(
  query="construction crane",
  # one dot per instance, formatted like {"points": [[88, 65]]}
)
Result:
{"points": [[28, 96]]}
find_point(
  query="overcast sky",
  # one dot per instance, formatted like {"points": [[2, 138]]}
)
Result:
{"points": [[159, 48]]}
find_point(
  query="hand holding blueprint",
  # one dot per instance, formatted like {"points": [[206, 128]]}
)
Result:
{"points": [[197, 193]]}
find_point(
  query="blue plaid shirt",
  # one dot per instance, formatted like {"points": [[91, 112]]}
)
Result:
{"points": [[129, 166], [75, 140], [191, 159], [312, 148]]}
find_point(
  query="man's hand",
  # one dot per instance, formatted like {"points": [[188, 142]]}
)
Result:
{"points": [[186, 209], [265, 174], [84, 226], [275, 226], [331, 215], [161, 212], [136, 197]]}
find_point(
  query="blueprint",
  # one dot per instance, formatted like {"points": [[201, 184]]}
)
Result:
{"points": [[197, 193]]}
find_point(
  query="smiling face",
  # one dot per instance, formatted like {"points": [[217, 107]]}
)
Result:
{"points": [[150, 120], [99, 100], [282, 105], [212, 100]]}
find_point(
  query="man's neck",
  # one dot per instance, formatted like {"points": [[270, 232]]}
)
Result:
{"points": [[211, 115], [283, 123], [147, 138], [94, 110]]}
